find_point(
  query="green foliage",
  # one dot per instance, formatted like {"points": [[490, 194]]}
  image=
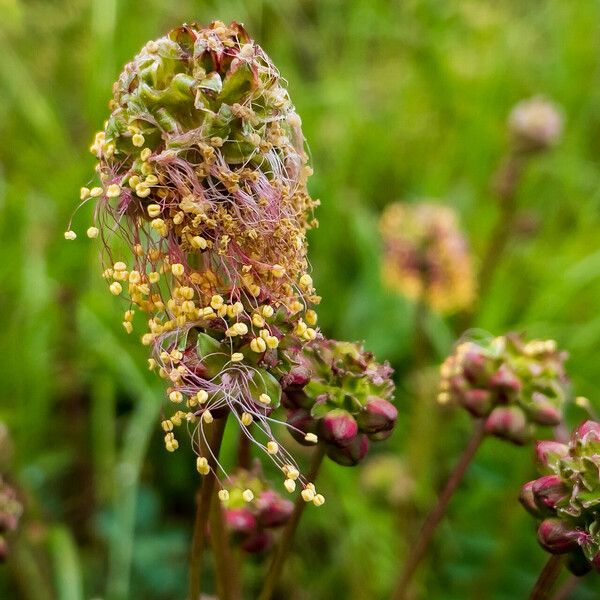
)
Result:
{"points": [[399, 100]]}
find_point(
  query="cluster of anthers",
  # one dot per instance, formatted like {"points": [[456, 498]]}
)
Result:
{"points": [[203, 175], [426, 257]]}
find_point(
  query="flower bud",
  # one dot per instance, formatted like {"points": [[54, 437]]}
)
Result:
{"points": [[535, 124], [298, 377], [527, 499], [544, 411], [474, 364], [351, 454], [505, 379], [257, 542], [240, 520], [588, 430], [556, 537], [274, 511], [301, 423], [548, 491], [478, 402], [338, 426], [509, 423], [578, 564], [377, 415], [548, 451]]}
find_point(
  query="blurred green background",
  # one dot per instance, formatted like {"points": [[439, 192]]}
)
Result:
{"points": [[400, 100]]}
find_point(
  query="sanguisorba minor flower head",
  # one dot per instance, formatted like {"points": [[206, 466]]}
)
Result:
{"points": [[426, 257], [203, 174], [512, 384], [338, 392], [566, 499], [535, 125]]}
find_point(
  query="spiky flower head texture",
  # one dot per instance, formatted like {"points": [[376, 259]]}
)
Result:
{"points": [[566, 498], [341, 394], [253, 510], [203, 175], [514, 385], [426, 256]]}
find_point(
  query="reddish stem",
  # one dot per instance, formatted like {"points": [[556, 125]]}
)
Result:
{"points": [[545, 582]]}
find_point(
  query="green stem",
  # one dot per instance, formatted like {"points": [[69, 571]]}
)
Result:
{"points": [[285, 543], [435, 516], [548, 576], [203, 508]]}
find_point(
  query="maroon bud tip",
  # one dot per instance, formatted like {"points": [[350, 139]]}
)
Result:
{"points": [[377, 415], [548, 491], [543, 411], [257, 542], [351, 454], [556, 537], [298, 377], [474, 364], [339, 427], [274, 511], [527, 499], [505, 379]]}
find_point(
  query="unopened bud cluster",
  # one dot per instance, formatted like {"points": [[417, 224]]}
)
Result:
{"points": [[512, 384], [338, 393], [253, 511], [426, 257], [566, 498], [535, 124]]}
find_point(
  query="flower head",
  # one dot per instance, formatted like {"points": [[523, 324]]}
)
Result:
{"points": [[426, 256], [566, 498], [535, 124], [512, 384], [338, 394]]}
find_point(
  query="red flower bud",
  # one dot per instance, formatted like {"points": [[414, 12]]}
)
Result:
{"points": [[477, 402], [352, 453], [544, 411], [298, 377], [301, 423], [548, 450], [509, 423], [505, 379], [274, 511], [474, 366], [527, 499], [257, 542], [240, 520], [589, 429], [377, 415], [556, 537], [338, 426], [548, 491]]}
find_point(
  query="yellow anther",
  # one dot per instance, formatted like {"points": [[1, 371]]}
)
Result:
{"points": [[177, 269], [202, 465], [176, 396], [272, 342], [237, 309], [207, 416], [113, 190], [264, 399], [142, 190], [272, 447], [146, 168], [135, 277], [306, 281], [248, 495], [202, 397], [311, 438], [319, 500], [151, 364], [138, 140], [258, 345], [311, 317], [308, 495], [153, 210], [257, 320], [278, 271], [216, 302], [167, 425], [237, 357], [120, 266], [92, 232], [291, 472], [96, 192], [115, 288], [240, 328], [246, 419], [290, 485], [199, 242], [134, 181], [172, 445], [223, 495], [153, 277], [296, 306], [127, 326], [147, 339], [267, 311], [84, 193], [300, 328], [160, 226], [310, 334], [70, 235], [145, 154], [254, 290], [151, 179]]}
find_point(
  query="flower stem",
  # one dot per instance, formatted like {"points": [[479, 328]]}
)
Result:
{"points": [[545, 582], [436, 515], [287, 537], [203, 508], [564, 591]]}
